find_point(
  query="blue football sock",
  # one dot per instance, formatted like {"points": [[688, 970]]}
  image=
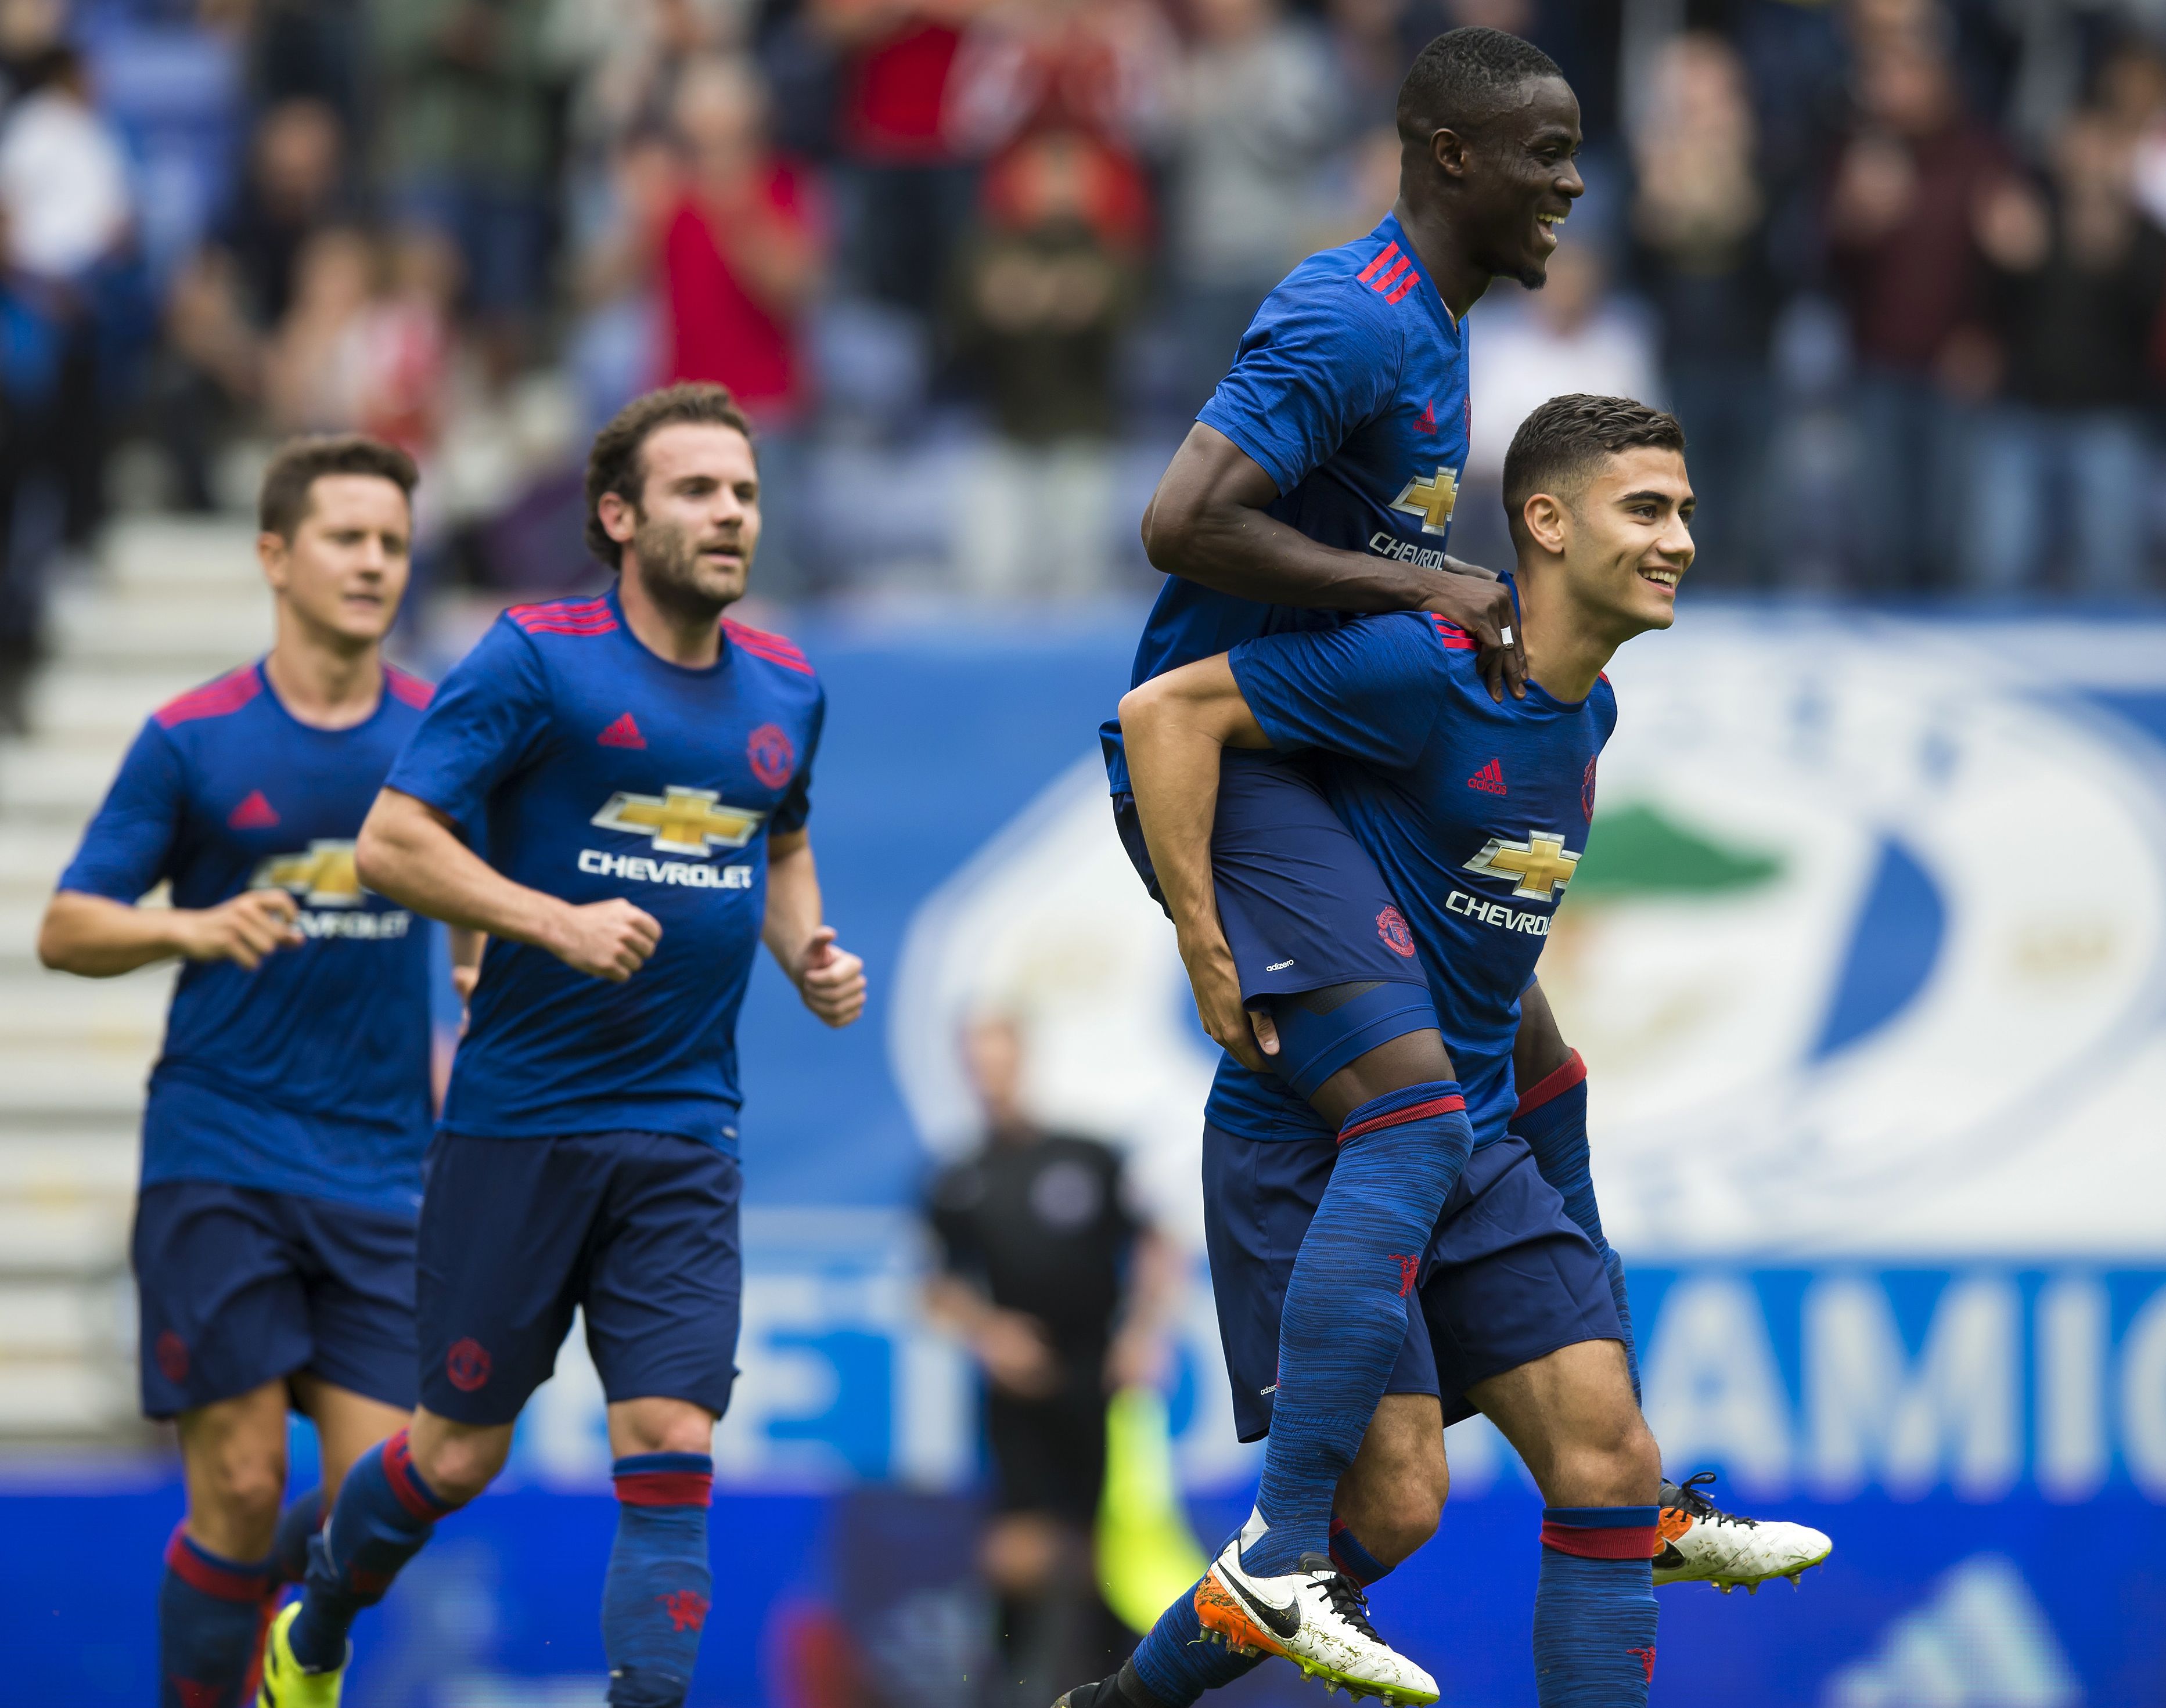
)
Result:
{"points": [[1594, 1608], [383, 1514], [210, 1614], [298, 1526], [1177, 1665], [1552, 1119], [1351, 1558], [654, 1600], [1345, 1314]]}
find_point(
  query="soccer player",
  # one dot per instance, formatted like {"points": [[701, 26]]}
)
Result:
{"points": [[288, 1111], [1518, 1318], [642, 765]]}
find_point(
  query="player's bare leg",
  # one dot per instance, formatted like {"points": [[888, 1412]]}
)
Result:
{"points": [[219, 1576], [1572, 1419]]}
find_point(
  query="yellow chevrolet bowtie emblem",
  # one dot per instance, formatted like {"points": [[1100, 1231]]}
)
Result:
{"points": [[323, 877], [1430, 500], [681, 821], [1542, 864]]}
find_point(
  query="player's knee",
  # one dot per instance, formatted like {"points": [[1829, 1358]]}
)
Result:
{"points": [[243, 1490], [662, 1427], [458, 1465]]}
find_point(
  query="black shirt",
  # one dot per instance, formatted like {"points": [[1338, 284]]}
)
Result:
{"points": [[1041, 1224]]}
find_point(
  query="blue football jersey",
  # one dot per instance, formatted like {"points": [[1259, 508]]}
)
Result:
{"points": [[310, 1075], [599, 770], [1475, 813], [1349, 390]]}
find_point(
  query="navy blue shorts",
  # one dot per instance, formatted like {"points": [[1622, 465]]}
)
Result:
{"points": [[1508, 1278], [1303, 907], [238, 1287], [639, 1231]]}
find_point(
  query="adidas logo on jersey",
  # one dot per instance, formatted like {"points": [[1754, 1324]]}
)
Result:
{"points": [[623, 733], [253, 813], [1490, 779]]}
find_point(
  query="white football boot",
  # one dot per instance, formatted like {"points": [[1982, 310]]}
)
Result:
{"points": [[1703, 1544], [1315, 1617]]}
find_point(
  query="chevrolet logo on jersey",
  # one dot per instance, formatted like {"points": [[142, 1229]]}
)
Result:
{"points": [[681, 822], [323, 877], [1430, 500], [1542, 864]]}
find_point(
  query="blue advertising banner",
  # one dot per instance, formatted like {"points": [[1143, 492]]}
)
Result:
{"points": [[1867, 960]]}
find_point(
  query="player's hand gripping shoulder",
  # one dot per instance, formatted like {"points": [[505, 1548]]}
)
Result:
{"points": [[1175, 727], [831, 980]]}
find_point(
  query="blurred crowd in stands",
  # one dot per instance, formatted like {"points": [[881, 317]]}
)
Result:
{"points": [[972, 264]]}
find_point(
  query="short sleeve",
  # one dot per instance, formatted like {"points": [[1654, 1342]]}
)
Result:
{"points": [[797, 805], [126, 847], [1370, 690], [1314, 364], [488, 717]]}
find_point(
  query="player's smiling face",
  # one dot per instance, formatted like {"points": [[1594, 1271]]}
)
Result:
{"points": [[1629, 543], [697, 524], [344, 572], [1524, 178]]}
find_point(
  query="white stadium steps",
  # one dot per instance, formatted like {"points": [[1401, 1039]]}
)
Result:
{"points": [[171, 603]]}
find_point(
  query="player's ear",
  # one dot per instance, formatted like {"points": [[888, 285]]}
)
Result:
{"points": [[1544, 517], [618, 519], [272, 552], [1449, 150]]}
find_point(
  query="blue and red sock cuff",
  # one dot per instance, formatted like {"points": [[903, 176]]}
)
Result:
{"points": [[1602, 1532], [665, 1479], [408, 1486], [1355, 1561], [1410, 1102], [215, 1575], [1553, 1085]]}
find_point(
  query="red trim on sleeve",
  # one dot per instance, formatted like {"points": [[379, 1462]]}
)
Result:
{"points": [[1553, 1084], [408, 690], [213, 699]]}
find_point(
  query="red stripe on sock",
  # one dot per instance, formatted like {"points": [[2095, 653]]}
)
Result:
{"points": [[1553, 1084], [1637, 1542], [1400, 1117], [398, 1472], [225, 1582], [666, 1488]]}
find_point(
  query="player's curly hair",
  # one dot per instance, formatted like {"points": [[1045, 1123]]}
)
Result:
{"points": [[282, 502], [1462, 76], [616, 464], [1566, 439]]}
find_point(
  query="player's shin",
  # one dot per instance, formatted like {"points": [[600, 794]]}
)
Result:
{"points": [[385, 1512], [1551, 1117], [1355, 1561], [654, 1601], [1345, 1314], [210, 1616], [1594, 1608]]}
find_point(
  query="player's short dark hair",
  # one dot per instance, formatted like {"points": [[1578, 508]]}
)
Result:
{"points": [[282, 504], [1565, 439], [615, 465], [1463, 77]]}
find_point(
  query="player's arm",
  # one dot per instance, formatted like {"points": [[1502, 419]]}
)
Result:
{"points": [[830, 980], [1176, 728], [409, 850], [1207, 523], [97, 937]]}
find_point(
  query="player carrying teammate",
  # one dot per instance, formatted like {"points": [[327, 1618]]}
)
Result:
{"points": [[288, 1112], [643, 766], [1515, 1316], [1319, 481]]}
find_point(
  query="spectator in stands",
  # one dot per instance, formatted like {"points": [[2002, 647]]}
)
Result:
{"points": [[1060, 1291], [1900, 218], [1258, 116], [2075, 294], [466, 134], [1529, 347], [1701, 257], [1042, 295], [910, 187], [743, 253]]}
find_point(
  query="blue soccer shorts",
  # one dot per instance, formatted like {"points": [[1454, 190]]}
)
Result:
{"points": [[636, 1230], [1507, 1277], [237, 1287], [1304, 907]]}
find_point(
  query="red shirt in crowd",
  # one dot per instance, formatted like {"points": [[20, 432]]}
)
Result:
{"points": [[719, 330]]}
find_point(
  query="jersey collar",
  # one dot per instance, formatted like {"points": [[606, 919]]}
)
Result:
{"points": [[1391, 231]]}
